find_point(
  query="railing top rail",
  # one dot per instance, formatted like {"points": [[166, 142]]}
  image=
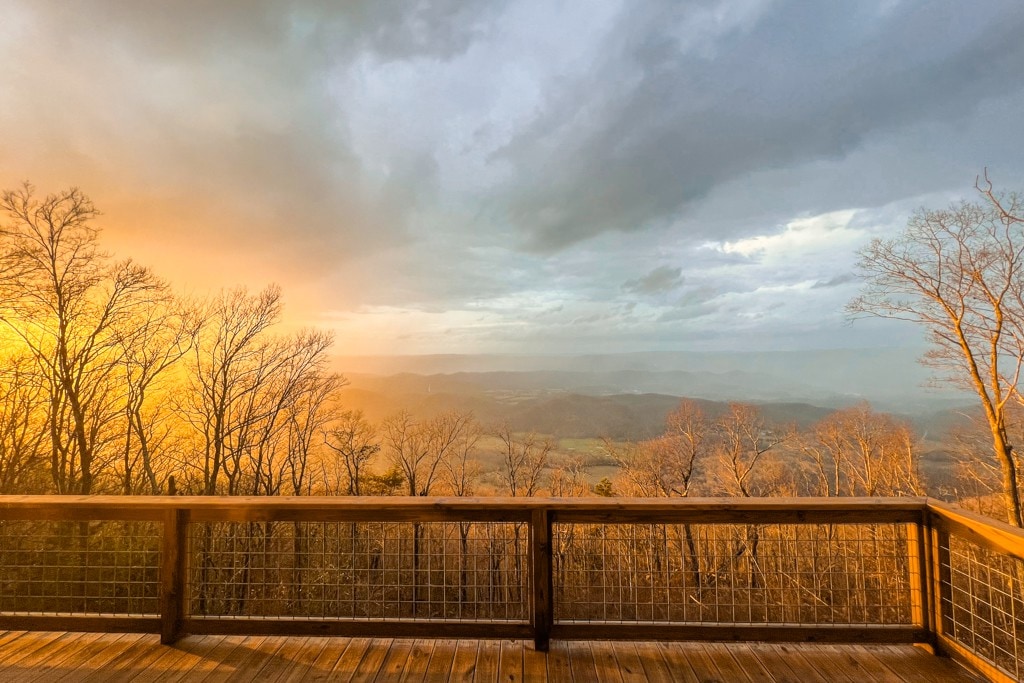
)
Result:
{"points": [[979, 528], [464, 503], [407, 508]]}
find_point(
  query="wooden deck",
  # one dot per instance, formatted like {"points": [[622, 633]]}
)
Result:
{"points": [[70, 656]]}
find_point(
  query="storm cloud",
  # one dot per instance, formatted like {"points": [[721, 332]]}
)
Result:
{"points": [[529, 176]]}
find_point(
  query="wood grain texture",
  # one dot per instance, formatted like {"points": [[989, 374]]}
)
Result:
{"points": [[42, 657]]}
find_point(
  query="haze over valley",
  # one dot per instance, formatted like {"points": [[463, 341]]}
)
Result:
{"points": [[891, 378]]}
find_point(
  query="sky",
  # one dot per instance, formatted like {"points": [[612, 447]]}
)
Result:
{"points": [[519, 177]]}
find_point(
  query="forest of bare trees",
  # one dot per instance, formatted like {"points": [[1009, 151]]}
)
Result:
{"points": [[112, 382]]}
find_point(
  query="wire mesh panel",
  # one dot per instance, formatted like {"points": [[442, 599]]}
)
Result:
{"points": [[983, 604], [457, 571], [95, 568], [733, 574]]}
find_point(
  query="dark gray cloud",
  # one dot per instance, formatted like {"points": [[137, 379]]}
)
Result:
{"points": [[315, 32], [698, 296], [661, 279], [657, 125], [841, 279]]}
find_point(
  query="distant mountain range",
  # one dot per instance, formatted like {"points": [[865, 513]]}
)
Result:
{"points": [[627, 396], [559, 414], [891, 379]]}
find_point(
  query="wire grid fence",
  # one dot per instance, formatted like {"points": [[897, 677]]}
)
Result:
{"points": [[844, 574], [982, 605], [93, 568], [449, 571]]}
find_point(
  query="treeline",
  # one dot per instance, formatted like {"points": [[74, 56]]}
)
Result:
{"points": [[852, 452], [112, 383]]}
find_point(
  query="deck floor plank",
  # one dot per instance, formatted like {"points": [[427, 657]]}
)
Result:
{"points": [[284, 659], [487, 656], [52, 656], [395, 661], [101, 651], [25, 647], [535, 664], [373, 658], [133, 662], [239, 658], [202, 658], [678, 665], [654, 666], [631, 668], [464, 661], [66, 657], [345, 668], [557, 661], [729, 669], [701, 662], [155, 662], [133, 657], [862, 665], [48, 658], [750, 663], [419, 658], [304, 661], [607, 666], [264, 656], [320, 667], [779, 666], [442, 658], [920, 666], [581, 661], [809, 665], [104, 652], [8, 636], [510, 661]]}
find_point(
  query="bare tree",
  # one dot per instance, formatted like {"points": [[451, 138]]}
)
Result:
{"points": [[418, 448], [859, 452], [978, 477], [959, 273], [742, 439], [568, 477], [354, 441], [68, 305], [291, 370], [664, 466], [462, 467], [157, 337], [225, 369], [524, 458], [22, 427], [307, 417]]}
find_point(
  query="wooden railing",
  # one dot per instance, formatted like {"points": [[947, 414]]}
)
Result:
{"points": [[804, 569], [977, 594]]}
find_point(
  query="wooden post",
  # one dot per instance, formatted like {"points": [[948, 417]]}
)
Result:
{"points": [[172, 574], [920, 581], [920, 586], [941, 581], [541, 598]]}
